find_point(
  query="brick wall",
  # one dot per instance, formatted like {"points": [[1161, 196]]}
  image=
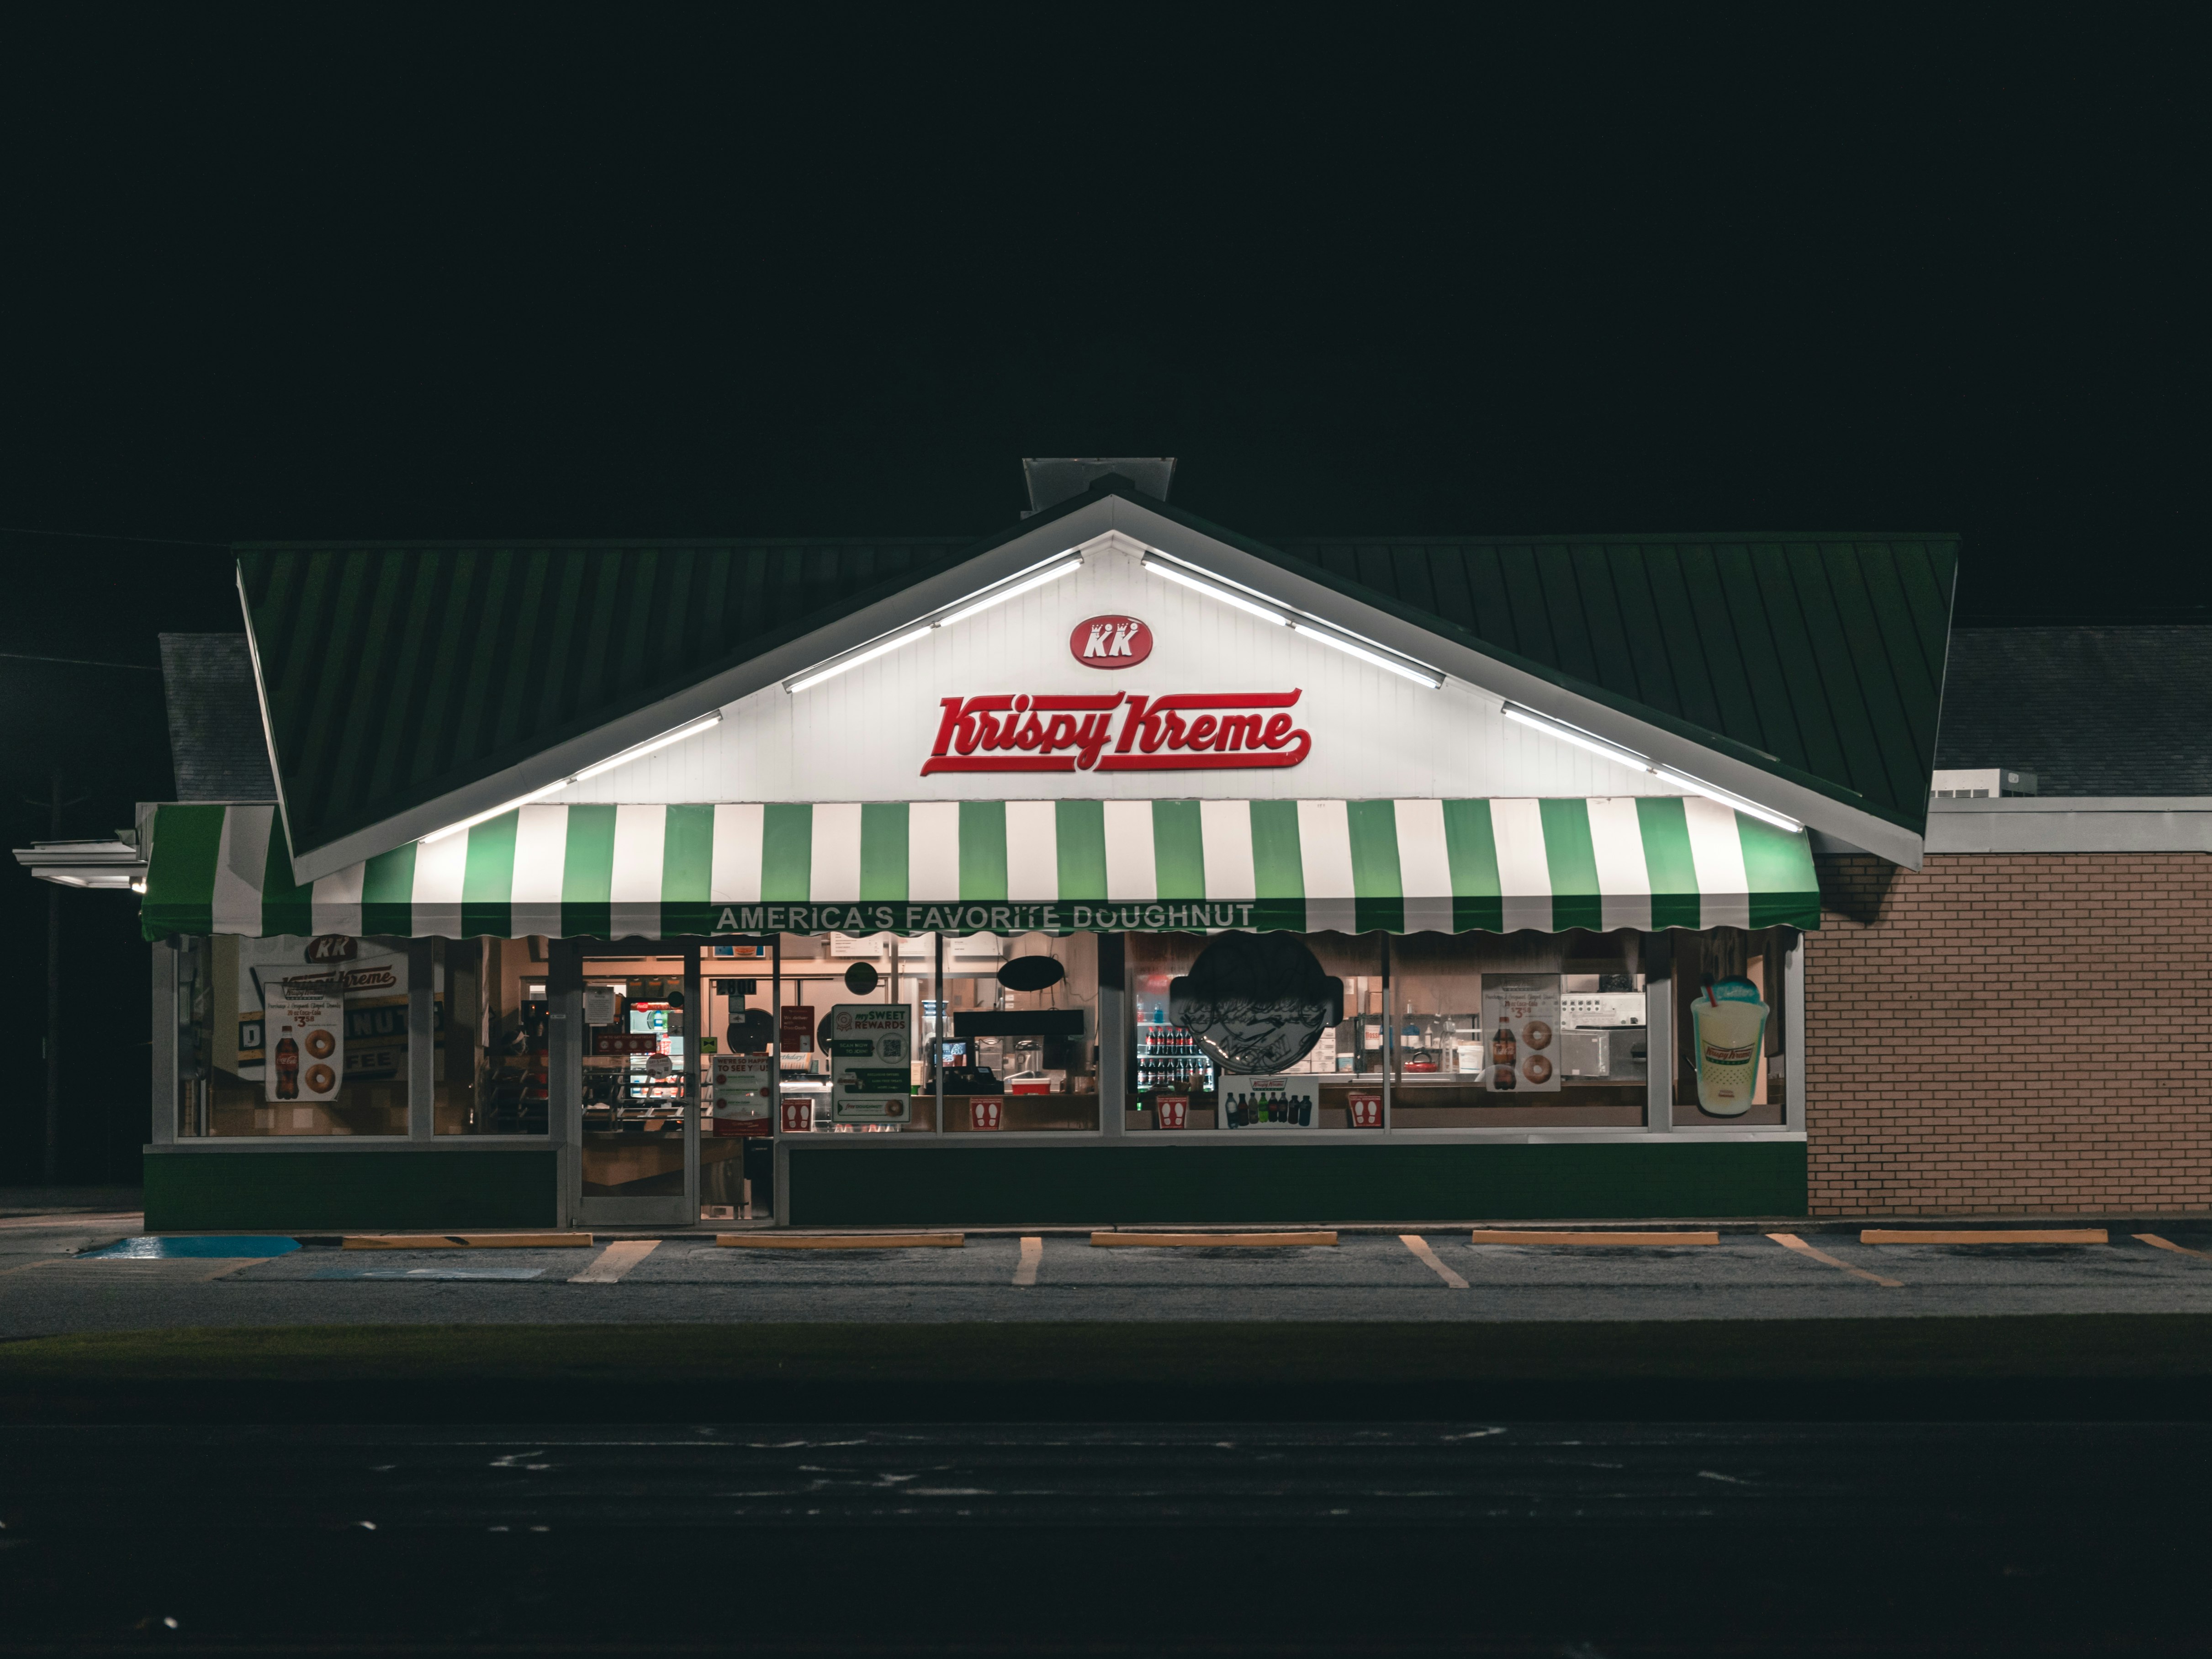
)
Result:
{"points": [[1987, 1035]]}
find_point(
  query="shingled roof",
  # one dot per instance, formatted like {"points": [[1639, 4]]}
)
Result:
{"points": [[2090, 711]]}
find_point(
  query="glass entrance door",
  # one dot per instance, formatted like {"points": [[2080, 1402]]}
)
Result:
{"points": [[638, 1102]]}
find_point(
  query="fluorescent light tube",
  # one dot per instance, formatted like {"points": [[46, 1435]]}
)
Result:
{"points": [[1051, 575], [1580, 738], [1404, 671], [880, 648], [660, 742], [1750, 808], [490, 813], [1215, 591], [1228, 595]]}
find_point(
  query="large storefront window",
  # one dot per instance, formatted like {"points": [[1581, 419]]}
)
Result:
{"points": [[1469, 1031], [293, 1037], [490, 1073], [1015, 1029]]}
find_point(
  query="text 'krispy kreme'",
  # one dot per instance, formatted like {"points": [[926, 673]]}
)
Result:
{"points": [[1188, 731]]}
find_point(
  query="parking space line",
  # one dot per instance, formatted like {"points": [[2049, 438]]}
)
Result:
{"points": [[1419, 1247], [1791, 1242], [617, 1259], [1032, 1257], [2168, 1244]]}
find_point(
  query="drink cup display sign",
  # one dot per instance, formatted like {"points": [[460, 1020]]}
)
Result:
{"points": [[870, 1054], [307, 1038], [1728, 1027], [1521, 1015]]}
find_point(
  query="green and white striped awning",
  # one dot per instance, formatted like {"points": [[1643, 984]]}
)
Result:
{"points": [[1005, 866]]}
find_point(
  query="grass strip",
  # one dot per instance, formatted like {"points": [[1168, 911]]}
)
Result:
{"points": [[1131, 1355]]}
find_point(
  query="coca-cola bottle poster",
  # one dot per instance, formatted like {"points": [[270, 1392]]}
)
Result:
{"points": [[306, 1038], [1520, 1024]]}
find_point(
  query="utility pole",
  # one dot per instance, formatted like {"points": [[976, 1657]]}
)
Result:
{"points": [[50, 1168]]}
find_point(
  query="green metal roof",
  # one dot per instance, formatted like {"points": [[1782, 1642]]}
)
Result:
{"points": [[1819, 658], [396, 674]]}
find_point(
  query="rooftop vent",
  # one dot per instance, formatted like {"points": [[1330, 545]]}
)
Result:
{"points": [[1055, 478]]}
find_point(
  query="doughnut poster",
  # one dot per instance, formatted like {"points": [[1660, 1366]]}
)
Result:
{"points": [[1520, 1023], [306, 1041]]}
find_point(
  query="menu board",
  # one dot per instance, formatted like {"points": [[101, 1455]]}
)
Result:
{"points": [[871, 1062], [1521, 1014]]}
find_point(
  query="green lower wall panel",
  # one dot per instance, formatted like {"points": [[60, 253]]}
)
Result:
{"points": [[332, 1192], [1221, 1183]]}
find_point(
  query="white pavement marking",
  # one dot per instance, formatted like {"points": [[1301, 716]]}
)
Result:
{"points": [[617, 1259], [1032, 1255], [1419, 1247], [62, 1224], [1791, 1242], [167, 1269], [2168, 1244]]}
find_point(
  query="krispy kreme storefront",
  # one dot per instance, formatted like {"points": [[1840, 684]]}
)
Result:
{"points": [[1112, 870]]}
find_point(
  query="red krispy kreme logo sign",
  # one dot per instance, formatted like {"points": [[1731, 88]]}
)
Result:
{"points": [[1187, 731], [1110, 641]]}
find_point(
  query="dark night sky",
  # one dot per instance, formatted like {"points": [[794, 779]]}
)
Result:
{"points": [[453, 271]]}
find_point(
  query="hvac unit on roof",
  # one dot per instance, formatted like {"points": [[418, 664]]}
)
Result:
{"points": [[1985, 783]]}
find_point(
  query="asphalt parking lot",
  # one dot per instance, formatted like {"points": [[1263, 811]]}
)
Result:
{"points": [[50, 1283]]}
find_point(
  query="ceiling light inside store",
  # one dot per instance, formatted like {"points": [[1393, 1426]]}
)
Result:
{"points": [[1230, 594], [1628, 757]]}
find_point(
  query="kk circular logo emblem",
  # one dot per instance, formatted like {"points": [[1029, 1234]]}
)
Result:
{"points": [[1110, 641]]}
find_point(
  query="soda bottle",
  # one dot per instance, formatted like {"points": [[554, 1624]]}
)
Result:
{"points": [[287, 1066]]}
